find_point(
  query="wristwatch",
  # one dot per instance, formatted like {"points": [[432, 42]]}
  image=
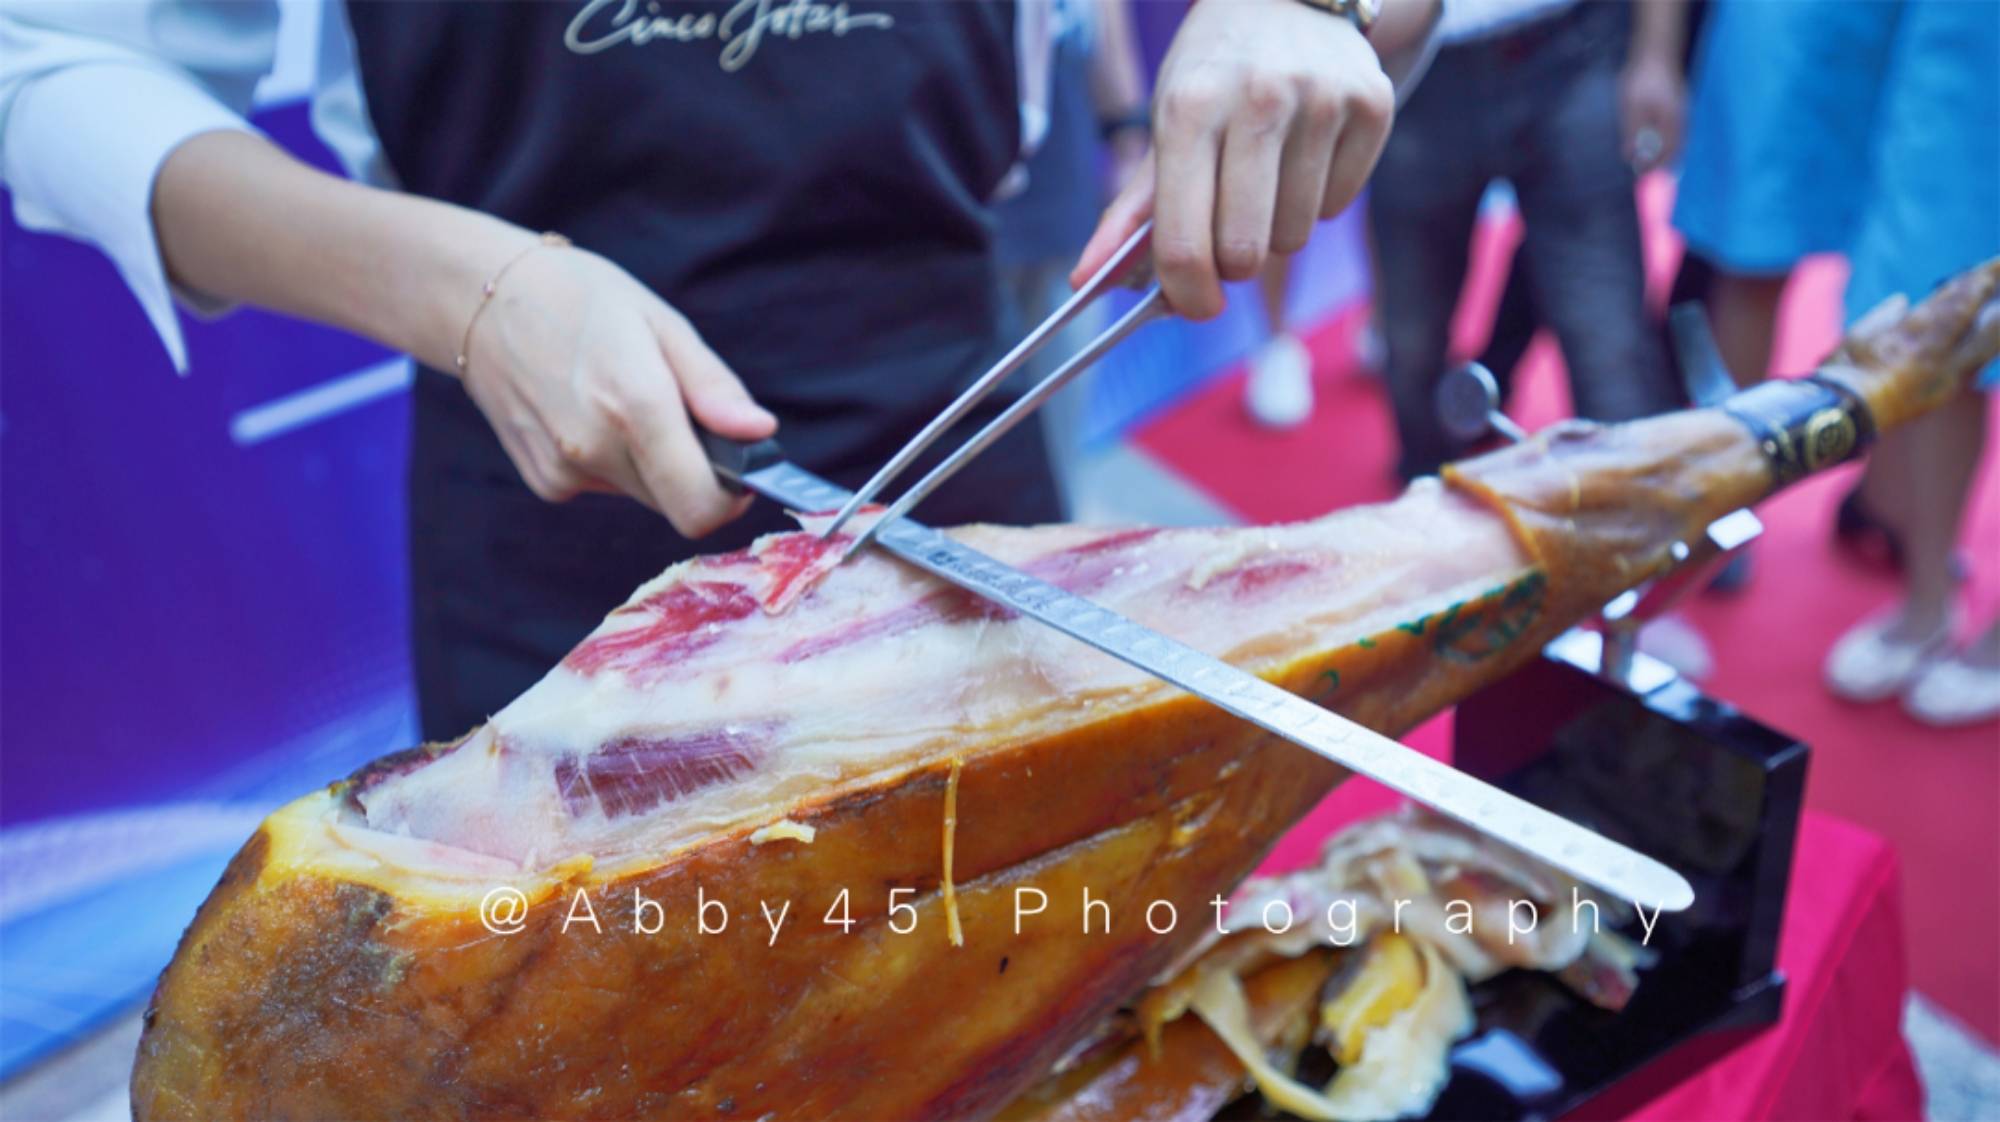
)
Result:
{"points": [[1362, 12]]}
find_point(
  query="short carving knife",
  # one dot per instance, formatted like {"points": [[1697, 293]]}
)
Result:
{"points": [[1584, 854]]}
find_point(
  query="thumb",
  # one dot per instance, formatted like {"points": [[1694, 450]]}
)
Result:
{"points": [[1132, 207]]}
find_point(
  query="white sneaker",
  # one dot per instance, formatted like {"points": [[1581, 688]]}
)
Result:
{"points": [[1280, 392], [1952, 691], [1867, 665]]}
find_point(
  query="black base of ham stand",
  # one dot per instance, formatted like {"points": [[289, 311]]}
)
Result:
{"points": [[1688, 780]]}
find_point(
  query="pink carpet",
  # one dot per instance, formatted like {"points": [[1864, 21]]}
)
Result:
{"points": [[1934, 795]]}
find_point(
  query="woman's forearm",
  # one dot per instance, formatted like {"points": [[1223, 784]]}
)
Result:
{"points": [[239, 219], [590, 382]]}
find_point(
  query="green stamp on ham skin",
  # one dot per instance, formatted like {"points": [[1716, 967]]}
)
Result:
{"points": [[1476, 631]]}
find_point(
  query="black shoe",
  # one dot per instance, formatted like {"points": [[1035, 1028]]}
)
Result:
{"points": [[1858, 530]]}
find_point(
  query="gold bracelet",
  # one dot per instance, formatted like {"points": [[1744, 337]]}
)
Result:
{"points": [[549, 240]]}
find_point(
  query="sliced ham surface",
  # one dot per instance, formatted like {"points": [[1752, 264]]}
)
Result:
{"points": [[732, 684]]}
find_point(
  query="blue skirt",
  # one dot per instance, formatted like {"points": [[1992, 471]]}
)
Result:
{"points": [[1857, 126]]}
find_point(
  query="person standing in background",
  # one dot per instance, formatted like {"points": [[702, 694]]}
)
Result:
{"points": [[1528, 91], [1097, 117], [1652, 111], [1871, 129], [1931, 206], [1783, 103], [1933, 209]]}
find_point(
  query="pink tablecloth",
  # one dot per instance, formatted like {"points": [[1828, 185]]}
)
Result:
{"points": [[1838, 1051]]}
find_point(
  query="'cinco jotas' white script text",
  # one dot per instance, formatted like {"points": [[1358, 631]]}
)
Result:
{"points": [[603, 24]]}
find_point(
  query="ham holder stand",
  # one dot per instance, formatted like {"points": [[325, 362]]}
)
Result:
{"points": [[1602, 733]]}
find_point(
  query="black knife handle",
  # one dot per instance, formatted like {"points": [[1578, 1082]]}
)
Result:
{"points": [[734, 459]]}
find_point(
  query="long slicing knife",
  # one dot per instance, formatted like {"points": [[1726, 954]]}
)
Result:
{"points": [[1588, 856]]}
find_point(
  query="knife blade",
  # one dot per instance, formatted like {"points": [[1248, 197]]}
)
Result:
{"points": [[1584, 854]]}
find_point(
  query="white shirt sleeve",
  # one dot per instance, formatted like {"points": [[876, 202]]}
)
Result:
{"points": [[93, 98]]}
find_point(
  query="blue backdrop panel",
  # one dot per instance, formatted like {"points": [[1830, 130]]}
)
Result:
{"points": [[202, 612], [178, 603]]}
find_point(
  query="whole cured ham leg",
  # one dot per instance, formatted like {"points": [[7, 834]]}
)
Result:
{"points": [[782, 841]]}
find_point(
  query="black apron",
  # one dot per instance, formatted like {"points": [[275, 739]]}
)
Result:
{"points": [[806, 182]]}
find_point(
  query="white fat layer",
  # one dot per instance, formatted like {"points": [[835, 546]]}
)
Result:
{"points": [[892, 699], [784, 829], [1240, 548]]}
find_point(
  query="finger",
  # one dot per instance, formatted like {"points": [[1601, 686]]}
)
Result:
{"points": [[633, 488], [608, 471], [1308, 156], [526, 465], [1253, 149], [1364, 128], [1188, 136], [674, 469], [709, 388], [574, 440], [554, 480], [512, 421], [552, 474], [1132, 206]]}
